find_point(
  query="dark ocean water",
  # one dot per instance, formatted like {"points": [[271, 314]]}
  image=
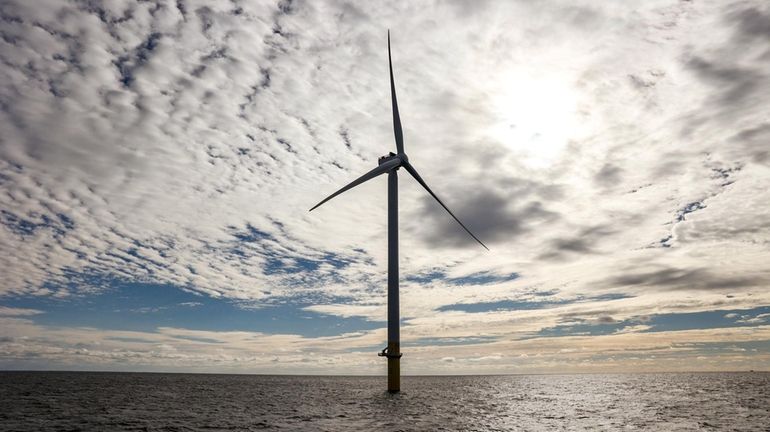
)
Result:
{"points": [[64, 401]]}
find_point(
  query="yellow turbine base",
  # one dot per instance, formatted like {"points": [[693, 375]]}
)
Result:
{"points": [[394, 368]]}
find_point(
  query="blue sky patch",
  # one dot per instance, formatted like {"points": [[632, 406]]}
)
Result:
{"points": [[279, 261], [448, 341], [664, 322], [511, 305], [502, 305], [145, 307], [481, 278]]}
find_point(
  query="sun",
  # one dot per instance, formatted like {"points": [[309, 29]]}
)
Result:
{"points": [[535, 117]]}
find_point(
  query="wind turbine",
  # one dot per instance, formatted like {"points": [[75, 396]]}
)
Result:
{"points": [[390, 164]]}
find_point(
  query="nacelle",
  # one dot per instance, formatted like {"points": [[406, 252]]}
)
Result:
{"points": [[389, 157]]}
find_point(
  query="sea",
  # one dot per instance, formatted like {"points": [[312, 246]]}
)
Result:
{"points": [[106, 401]]}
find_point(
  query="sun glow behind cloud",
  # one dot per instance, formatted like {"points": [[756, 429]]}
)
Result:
{"points": [[535, 117]]}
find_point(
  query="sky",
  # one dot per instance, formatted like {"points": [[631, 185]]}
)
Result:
{"points": [[158, 160]]}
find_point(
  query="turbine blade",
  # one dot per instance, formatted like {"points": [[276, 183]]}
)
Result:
{"points": [[382, 169], [396, 118], [419, 179]]}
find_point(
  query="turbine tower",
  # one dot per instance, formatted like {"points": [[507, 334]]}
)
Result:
{"points": [[390, 164]]}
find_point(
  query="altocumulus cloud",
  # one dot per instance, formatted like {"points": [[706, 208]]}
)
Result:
{"points": [[613, 156]]}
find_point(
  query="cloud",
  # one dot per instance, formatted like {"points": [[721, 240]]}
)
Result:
{"points": [[597, 150], [736, 84], [585, 242], [634, 328], [738, 77], [608, 175], [686, 279], [752, 23], [753, 139], [186, 350], [748, 318], [15, 312], [493, 216], [191, 304]]}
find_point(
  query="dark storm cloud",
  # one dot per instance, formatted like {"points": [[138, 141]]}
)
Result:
{"points": [[495, 206], [735, 83], [757, 142], [752, 24], [737, 73], [572, 245], [696, 279], [493, 216], [606, 319], [608, 175], [585, 242], [590, 317]]}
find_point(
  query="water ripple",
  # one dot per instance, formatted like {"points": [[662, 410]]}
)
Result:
{"points": [[54, 401]]}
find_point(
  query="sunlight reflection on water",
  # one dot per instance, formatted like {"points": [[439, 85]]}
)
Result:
{"points": [[117, 401]]}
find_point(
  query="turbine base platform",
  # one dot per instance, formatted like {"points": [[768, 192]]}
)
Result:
{"points": [[385, 353]]}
